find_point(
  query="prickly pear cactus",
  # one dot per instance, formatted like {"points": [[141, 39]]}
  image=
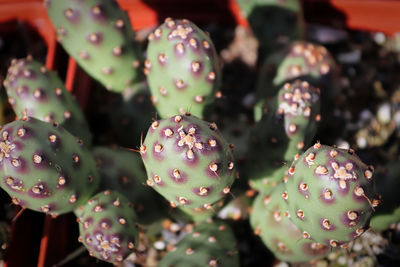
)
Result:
{"points": [[4, 238], [270, 220], [188, 162], [107, 227], [288, 124], [300, 60], [330, 194], [122, 170], [211, 243], [182, 68], [284, 17], [45, 168], [98, 35], [38, 92]]}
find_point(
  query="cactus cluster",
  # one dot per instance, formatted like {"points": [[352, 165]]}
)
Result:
{"points": [[162, 159]]}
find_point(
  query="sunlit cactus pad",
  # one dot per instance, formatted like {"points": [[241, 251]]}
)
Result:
{"points": [[331, 195], [45, 168], [35, 91], [270, 220], [182, 68], [98, 35], [188, 161]]}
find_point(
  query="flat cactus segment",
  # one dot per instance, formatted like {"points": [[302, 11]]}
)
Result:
{"points": [[182, 68], [270, 220], [288, 123], [4, 238], [37, 92], [188, 161], [210, 243], [107, 227], [45, 168], [330, 194], [122, 170], [300, 60], [98, 35]]}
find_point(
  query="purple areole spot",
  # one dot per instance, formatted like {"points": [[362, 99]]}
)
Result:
{"points": [[314, 249], [157, 180], [177, 176], [95, 38], [14, 184], [97, 13], [18, 164], [347, 220], [359, 199], [192, 162], [105, 223], [76, 161], [40, 95], [179, 49], [203, 191], [62, 180], [343, 187], [39, 190], [167, 132], [326, 196], [211, 173], [326, 225], [183, 201], [180, 84], [302, 188], [196, 68], [54, 140], [22, 91], [25, 133], [158, 153], [87, 222], [71, 15]]}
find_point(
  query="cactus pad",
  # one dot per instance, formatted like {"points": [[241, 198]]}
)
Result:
{"points": [[211, 243], [45, 168], [98, 35], [331, 195], [107, 227], [182, 68], [270, 220], [188, 161], [37, 92]]}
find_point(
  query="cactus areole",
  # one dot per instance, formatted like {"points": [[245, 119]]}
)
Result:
{"points": [[182, 68], [330, 194], [45, 168], [188, 161]]}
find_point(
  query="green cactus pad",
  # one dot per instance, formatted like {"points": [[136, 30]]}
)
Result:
{"points": [[269, 219], [188, 162], [331, 195], [300, 60], [288, 124], [211, 243], [107, 227], [38, 92], [182, 68], [98, 35], [45, 168], [122, 170]]}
